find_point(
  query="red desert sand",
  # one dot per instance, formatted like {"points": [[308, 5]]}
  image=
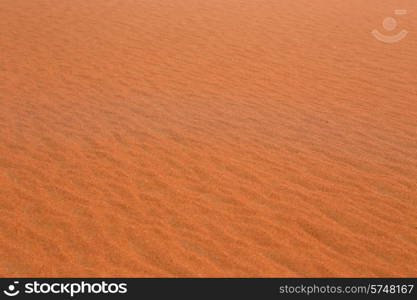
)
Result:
{"points": [[207, 138]]}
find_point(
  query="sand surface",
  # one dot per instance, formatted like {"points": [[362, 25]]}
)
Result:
{"points": [[207, 138]]}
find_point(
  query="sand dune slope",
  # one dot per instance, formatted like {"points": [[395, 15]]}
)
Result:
{"points": [[207, 138]]}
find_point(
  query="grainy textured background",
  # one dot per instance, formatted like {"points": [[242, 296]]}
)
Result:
{"points": [[207, 138]]}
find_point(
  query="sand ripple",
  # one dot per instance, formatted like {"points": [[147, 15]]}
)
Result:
{"points": [[206, 138]]}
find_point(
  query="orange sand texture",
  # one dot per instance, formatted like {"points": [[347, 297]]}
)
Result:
{"points": [[207, 138]]}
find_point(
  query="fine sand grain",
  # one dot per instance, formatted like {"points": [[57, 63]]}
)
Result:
{"points": [[207, 138]]}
